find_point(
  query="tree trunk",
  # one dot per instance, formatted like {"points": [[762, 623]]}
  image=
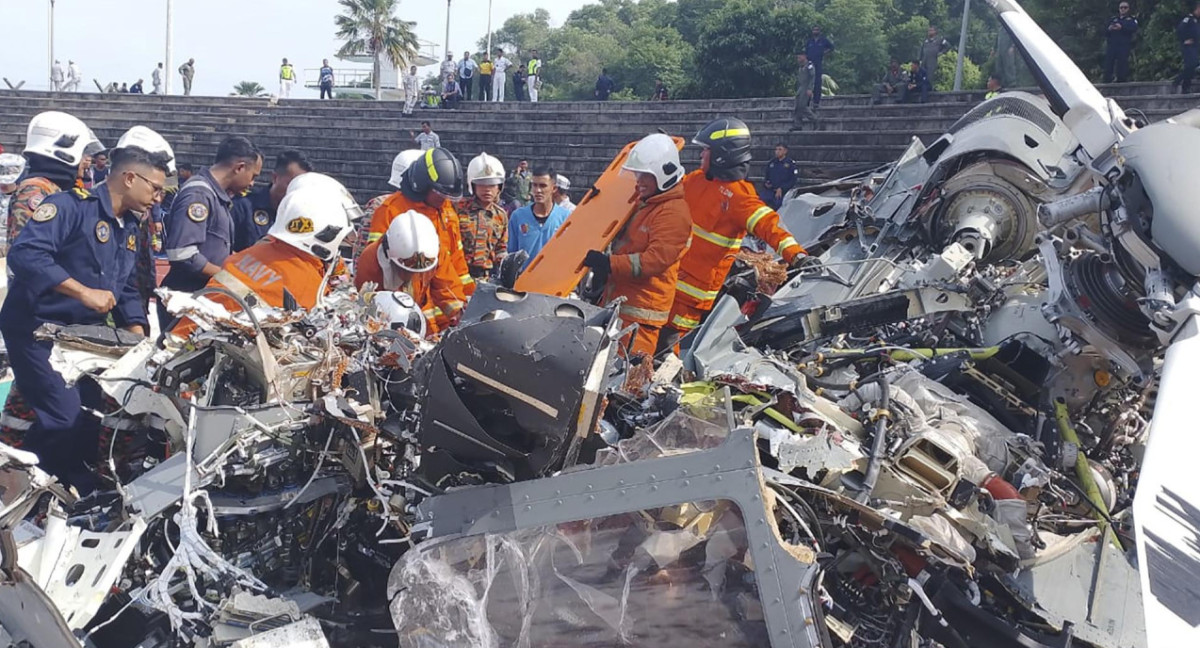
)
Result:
{"points": [[375, 77]]}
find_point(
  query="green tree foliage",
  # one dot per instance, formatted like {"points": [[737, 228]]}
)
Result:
{"points": [[248, 89], [371, 28], [747, 48]]}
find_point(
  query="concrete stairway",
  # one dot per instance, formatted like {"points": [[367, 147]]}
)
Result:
{"points": [[356, 140]]}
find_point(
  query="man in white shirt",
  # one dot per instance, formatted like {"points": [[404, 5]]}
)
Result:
{"points": [[287, 79], [412, 90], [156, 78], [56, 77], [426, 139], [532, 73], [499, 76], [561, 196], [74, 76], [448, 67]]}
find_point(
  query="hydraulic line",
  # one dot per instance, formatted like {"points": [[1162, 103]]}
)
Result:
{"points": [[1083, 471]]}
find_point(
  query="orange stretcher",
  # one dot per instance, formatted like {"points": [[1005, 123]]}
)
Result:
{"points": [[596, 221]]}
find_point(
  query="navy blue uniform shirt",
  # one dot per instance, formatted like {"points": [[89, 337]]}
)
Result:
{"points": [[1188, 29], [253, 215], [73, 235], [816, 48], [781, 174], [199, 230], [1121, 40]]}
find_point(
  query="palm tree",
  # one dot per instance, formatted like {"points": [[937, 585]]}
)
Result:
{"points": [[248, 89], [371, 27]]}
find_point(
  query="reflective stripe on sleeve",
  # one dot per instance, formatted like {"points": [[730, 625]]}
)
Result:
{"points": [[684, 323], [757, 216], [785, 244], [645, 313], [692, 291], [183, 253], [635, 265], [374, 236]]}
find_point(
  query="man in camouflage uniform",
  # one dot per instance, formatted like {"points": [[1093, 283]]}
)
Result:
{"points": [[482, 221]]}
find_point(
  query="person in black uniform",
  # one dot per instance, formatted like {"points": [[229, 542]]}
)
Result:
{"points": [[74, 264], [780, 177], [199, 227], [1188, 33], [254, 213], [1119, 34]]}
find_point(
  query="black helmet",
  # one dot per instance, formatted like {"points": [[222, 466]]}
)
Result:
{"points": [[436, 169], [729, 140]]}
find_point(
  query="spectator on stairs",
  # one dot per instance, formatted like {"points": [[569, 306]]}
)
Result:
{"points": [[660, 91], [486, 69], [919, 84], [427, 139], [451, 92], [780, 177], [933, 47], [893, 85], [412, 90], [467, 69], [816, 48], [604, 86], [501, 65], [519, 83], [533, 76], [188, 72]]}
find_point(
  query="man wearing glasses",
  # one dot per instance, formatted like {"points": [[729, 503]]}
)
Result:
{"points": [[74, 264], [1121, 29]]}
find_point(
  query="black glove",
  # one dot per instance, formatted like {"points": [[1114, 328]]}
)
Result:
{"points": [[599, 262], [806, 263]]}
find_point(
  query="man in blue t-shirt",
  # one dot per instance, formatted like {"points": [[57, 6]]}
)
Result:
{"points": [[531, 227]]}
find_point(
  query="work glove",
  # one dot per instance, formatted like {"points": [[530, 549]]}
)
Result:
{"points": [[805, 263], [598, 261]]}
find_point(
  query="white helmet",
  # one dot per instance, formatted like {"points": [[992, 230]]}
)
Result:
{"points": [[314, 180], [562, 183], [486, 170], [61, 137], [657, 155], [401, 163], [149, 141], [399, 310], [314, 220], [412, 242]]}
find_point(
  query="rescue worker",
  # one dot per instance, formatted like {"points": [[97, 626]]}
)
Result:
{"points": [[805, 74], [1188, 33], [410, 259], [816, 47], [643, 263], [1119, 36], [299, 253], [428, 186], [724, 210], [780, 177], [74, 264], [254, 213], [482, 221], [56, 148], [287, 79], [199, 227], [400, 164]]}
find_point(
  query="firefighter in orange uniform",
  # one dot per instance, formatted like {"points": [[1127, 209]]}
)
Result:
{"points": [[428, 186], [644, 261], [298, 254], [725, 208], [409, 259]]}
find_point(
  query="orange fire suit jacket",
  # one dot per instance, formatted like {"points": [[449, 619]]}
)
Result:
{"points": [[723, 212], [264, 270], [645, 259], [433, 291], [445, 219]]}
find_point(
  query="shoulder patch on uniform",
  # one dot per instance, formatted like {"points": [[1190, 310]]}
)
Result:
{"points": [[300, 225], [103, 231], [261, 217], [131, 243], [45, 212], [198, 212]]}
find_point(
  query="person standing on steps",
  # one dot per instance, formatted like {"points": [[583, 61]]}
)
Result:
{"points": [[660, 91], [933, 47], [325, 80], [188, 72], [533, 75], [156, 79], [1188, 33], [501, 65], [604, 86], [412, 90], [466, 75], [816, 48], [804, 93], [486, 68], [57, 77], [519, 83], [426, 139], [448, 67], [74, 77], [1119, 34], [287, 79]]}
